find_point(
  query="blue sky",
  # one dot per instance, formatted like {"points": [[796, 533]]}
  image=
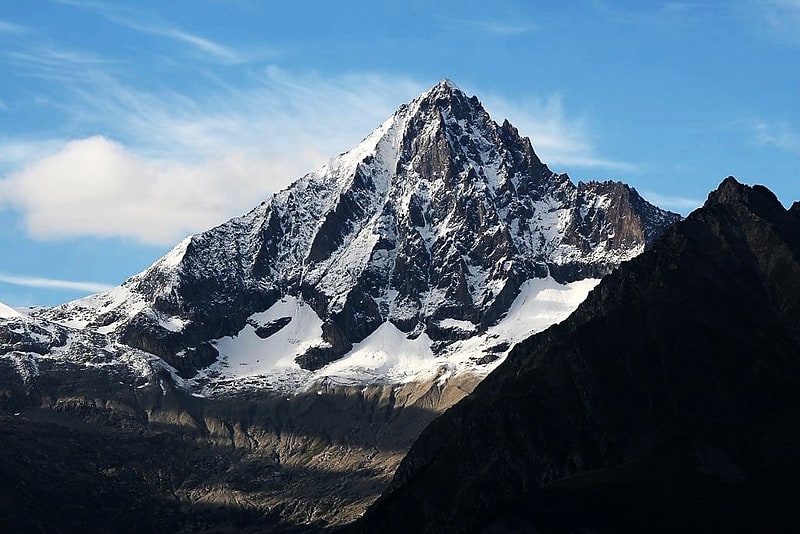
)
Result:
{"points": [[129, 125]]}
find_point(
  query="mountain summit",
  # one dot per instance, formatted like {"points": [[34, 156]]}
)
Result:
{"points": [[428, 230]]}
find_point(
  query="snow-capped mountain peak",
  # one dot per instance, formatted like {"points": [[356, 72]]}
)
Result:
{"points": [[428, 229]]}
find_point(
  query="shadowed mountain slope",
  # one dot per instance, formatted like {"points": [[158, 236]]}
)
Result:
{"points": [[667, 402]]}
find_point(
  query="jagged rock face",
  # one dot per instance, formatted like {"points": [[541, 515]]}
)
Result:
{"points": [[19, 335], [439, 214], [669, 398]]}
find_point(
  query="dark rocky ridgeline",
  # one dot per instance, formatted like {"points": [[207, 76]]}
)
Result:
{"points": [[668, 402]]}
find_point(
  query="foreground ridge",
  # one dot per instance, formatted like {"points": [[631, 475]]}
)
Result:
{"points": [[668, 399]]}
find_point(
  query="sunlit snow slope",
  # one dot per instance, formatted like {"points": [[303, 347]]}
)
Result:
{"points": [[387, 355]]}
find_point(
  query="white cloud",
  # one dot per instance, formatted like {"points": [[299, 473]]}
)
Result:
{"points": [[96, 187], [50, 283], [190, 164], [559, 140]]}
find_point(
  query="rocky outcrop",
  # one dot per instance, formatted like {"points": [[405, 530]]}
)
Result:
{"points": [[666, 402]]}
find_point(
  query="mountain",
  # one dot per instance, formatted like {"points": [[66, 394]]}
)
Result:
{"points": [[427, 231], [667, 402], [275, 369]]}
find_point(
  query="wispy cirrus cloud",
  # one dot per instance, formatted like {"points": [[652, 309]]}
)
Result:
{"points": [[8, 27], [202, 44], [497, 26], [50, 283], [558, 138], [780, 18], [166, 164], [163, 165], [675, 203], [127, 159], [778, 134], [49, 60], [137, 21]]}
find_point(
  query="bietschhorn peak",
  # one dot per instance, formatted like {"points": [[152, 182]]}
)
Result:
{"points": [[437, 236], [445, 85]]}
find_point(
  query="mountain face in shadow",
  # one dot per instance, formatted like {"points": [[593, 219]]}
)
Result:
{"points": [[669, 401]]}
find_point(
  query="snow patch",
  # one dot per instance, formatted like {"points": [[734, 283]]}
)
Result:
{"points": [[385, 355], [388, 355], [541, 303], [167, 322], [247, 355], [455, 324], [78, 314], [7, 312], [175, 256]]}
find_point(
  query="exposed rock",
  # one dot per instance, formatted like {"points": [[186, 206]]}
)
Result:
{"points": [[265, 331]]}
